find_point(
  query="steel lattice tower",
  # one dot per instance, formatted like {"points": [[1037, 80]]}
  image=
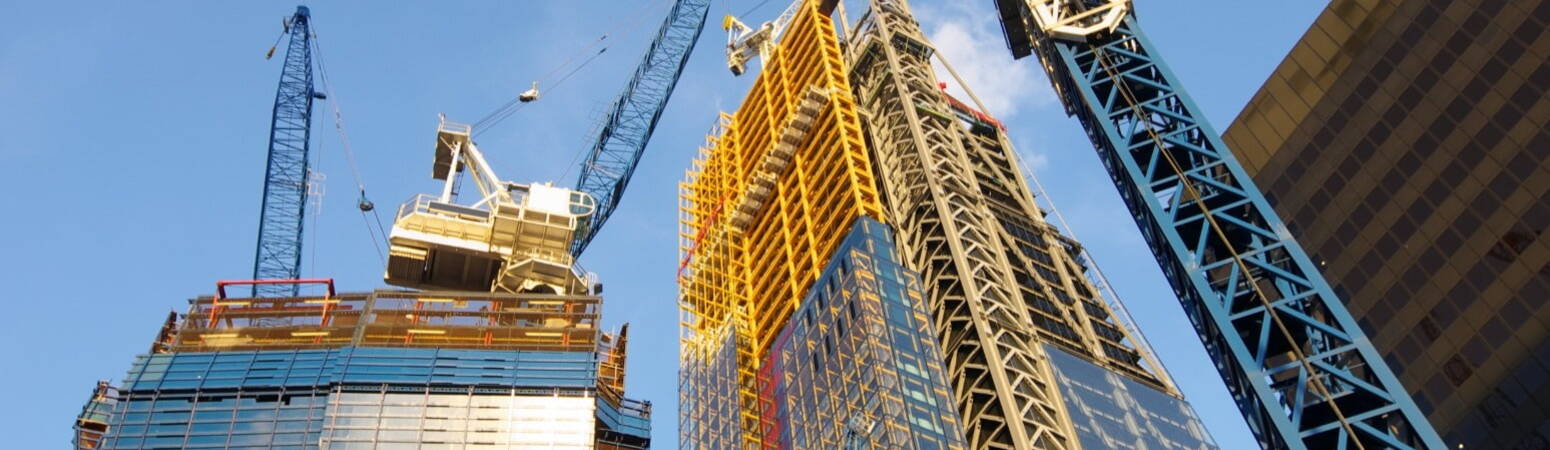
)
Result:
{"points": [[285, 178], [1303, 374], [1000, 282], [622, 140]]}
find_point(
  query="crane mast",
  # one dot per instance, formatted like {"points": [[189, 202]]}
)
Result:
{"points": [[285, 177], [622, 140], [1302, 372]]}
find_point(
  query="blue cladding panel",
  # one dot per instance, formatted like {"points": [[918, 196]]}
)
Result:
{"points": [[630, 417], [362, 365], [708, 408], [255, 418], [858, 365], [1113, 411], [302, 398]]}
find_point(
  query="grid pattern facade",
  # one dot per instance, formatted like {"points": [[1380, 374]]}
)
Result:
{"points": [[1406, 142], [1117, 412], [92, 423], [1000, 282], [384, 369], [858, 366], [369, 398], [710, 416], [769, 198]]}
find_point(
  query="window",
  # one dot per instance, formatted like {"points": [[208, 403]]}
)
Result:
{"points": [[1482, 275], [1459, 42], [1437, 192], [1425, 144], [1429, 329], [1495, 332], [1457, 370], [1523, 166], [1419, 212], [1504, 185]]}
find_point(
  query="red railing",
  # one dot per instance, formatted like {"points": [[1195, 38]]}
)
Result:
{"points": [[220, 293]]}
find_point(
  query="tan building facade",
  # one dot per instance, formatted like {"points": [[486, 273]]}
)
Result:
{"points": [[1405, 144]]}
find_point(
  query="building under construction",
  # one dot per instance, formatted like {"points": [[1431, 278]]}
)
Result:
{"points": [[499, 347], [854, 128], [493, 339]]}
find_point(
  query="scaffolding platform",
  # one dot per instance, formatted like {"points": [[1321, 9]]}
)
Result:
{"points": [[389, 318]]}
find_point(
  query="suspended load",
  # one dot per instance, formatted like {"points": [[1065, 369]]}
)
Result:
{"points": [[530, 94]]}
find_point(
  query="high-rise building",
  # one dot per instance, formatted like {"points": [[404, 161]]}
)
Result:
{"points": [[1407, 144], [857, 366], [773, 194], [386, 369], [1007, 291], [855, 136], [522, 364]]}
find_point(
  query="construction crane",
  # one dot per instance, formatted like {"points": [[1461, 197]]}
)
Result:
{"points": [[286, 181], [745, 42], [515, 239], [1302, 372], [633, 117]]}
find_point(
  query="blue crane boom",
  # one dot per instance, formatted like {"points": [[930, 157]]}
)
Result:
{"points": [[1302, 372], [622, 140], [285, 177]]}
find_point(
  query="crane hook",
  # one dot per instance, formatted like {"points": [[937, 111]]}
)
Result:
{"points": [[364, 204]]}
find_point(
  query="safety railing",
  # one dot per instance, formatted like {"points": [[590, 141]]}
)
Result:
{"points": [[392, 319]]}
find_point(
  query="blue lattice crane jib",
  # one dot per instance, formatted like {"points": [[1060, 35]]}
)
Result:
{"points": [[607, 169], [1302, 372], [285, 175]]}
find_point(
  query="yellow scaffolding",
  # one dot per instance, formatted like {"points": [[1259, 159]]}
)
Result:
{"points": [[770, 196]]}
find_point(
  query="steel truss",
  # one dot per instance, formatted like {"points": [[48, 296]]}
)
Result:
{"points": [[285, 178], [1001, 380], [1302, 372], [622, 140]]}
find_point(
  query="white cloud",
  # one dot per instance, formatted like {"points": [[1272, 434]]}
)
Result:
{"points": [[1033, 161], [968, 37]]}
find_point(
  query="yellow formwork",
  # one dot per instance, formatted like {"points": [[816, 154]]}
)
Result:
{"points": [[751, 277]]}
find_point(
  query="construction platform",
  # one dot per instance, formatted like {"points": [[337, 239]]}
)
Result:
{"points": [[387, 318]]}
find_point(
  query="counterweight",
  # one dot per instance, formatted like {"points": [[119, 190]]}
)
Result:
{"points": [[285, 178], [630, 122], [1303, 374]]}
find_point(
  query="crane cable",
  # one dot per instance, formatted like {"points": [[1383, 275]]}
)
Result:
{"points": [[755, 7], [379, 234], [630, 22], [510, 108]]}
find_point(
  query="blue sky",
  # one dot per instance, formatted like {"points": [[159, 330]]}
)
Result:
{"points": [[133, 135]]}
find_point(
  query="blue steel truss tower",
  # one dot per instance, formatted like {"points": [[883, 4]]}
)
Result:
{"points": [[623, 138], [285, 178], [1302, 372]]}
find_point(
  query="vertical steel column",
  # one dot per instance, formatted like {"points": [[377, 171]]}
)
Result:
{"points": [[1001, 381], [1302, 372]]}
